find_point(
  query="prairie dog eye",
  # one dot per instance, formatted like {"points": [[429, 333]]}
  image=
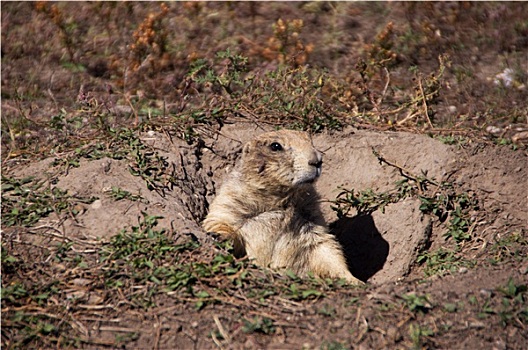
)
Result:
{"points": [[276, 147]]}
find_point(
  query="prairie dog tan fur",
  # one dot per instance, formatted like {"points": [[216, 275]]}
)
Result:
{"points": [[269, 207]]}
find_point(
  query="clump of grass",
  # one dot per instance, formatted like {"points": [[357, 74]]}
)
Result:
{"points": [[510, 246], [443, 260], [291, 97]]}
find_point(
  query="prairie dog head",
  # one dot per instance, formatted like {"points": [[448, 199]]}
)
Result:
{"points": [[282, 158]]}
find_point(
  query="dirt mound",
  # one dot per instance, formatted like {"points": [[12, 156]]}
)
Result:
{"points": [[382, 242], [380, 246]]}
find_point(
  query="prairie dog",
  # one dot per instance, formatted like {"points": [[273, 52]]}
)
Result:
{"points": [[269, 207]]}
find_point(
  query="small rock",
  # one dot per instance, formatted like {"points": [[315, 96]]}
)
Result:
{"points": [[499, 345], [493, 130], [76, 295], [81, 281], [486, 292], [477, 324], [462, 270], [521, 136], [97, 204], [95, 299]]}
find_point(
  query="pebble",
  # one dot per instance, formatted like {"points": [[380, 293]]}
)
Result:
{"points": [[486, 292], [81, 281], [97, 204], [493, 130]]}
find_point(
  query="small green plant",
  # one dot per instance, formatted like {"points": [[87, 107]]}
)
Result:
{"points": [[510, 246], [450, 307], [118, 194], [417, 303], [25, 201], [292, 97], [443, 260], [300, 292], [452, 139], [146, 255], [457, 206], [419, 335], [365, 202], [514, 305], [258, 325], [326, 310], [228, 79]]}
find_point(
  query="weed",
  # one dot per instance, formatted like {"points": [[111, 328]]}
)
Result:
{"points": [[380, 53], [293, 97], [234, 66], [452, 140], [150, 39], [25, 201], [262, 325], [447, 203], [443, 260], [486, 310], [8, 261], [14, 292], [450, 307], [365, 202], [118, 194], [417, 303], [514, 306], [286, 45], [327, 310], [299, 292], [419, 335]]}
